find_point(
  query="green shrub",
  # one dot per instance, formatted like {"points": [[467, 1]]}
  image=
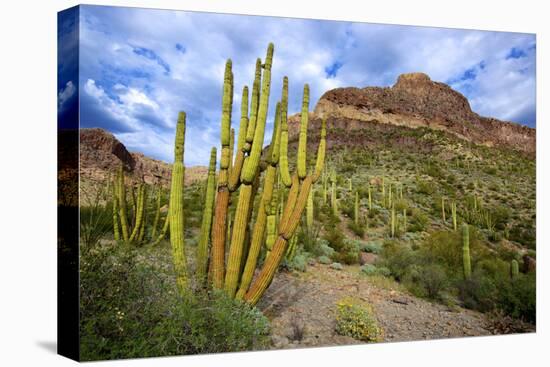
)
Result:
{"points": [[348, 253], [396, 257], [324, 260], [371, 246], [418, 221], [299, 262], [428, 281], [337, 266], [357, 228], [356, 319], [130, 308], [323, 249], [371, 270]]}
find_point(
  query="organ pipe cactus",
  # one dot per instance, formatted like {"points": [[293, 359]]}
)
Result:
{"points": [[206, 224], [392, 222], [157, 213], [467, 267], [356, 209], [140, 205], [404, 220], [121, 196], [302, 142], [176, 207], [453, 213], [443, 208], [116, 230]]}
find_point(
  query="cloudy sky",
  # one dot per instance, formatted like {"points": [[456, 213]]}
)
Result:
{"points": [[139, 67]]}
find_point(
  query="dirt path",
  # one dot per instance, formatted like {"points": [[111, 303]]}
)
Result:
{"points": [[301, 309]]}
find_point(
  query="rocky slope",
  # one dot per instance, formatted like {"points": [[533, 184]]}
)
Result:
{"points": [[101, 154], [416, 101]]}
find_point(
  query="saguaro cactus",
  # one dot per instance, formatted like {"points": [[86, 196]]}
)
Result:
{"points": [[467, 267], [176, 207], [514, 269], [157, 213], [356, 209], [206, 225]]}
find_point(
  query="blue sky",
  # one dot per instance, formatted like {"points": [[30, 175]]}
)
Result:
{"points": [[139, 67]]}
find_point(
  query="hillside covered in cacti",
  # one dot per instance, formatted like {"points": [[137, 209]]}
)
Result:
{"points": [[433, 214]]}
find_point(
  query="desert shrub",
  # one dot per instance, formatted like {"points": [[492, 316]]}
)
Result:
{"points": [[371, 270], [96, 221], [356, 319], [130, 308], [425, 187], [517, 297], [428, 281], [371, 246], [323, 249], [324, 260], [396, 257], [478, 293], [337, 266], [400, 205], [357, 228], [299, 262], [334, 238], [417, 221], [348, 253]]}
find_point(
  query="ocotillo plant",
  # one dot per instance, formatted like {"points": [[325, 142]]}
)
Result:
{"points": [[176, 207], [467, 267], [206, 225]]}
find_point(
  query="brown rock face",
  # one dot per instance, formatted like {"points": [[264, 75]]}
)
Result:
{"points": [[417, 101], [101, 154]]}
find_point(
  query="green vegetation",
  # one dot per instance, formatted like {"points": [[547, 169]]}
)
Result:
{"points": [[356, 319]]}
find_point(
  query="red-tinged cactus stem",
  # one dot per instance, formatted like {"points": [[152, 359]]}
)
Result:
{"points": [[121, 194], [157, 213], [219, 227], [284, 170], [116, 230], [206, 225], [254, 103], [235, 174], [286, 230], [302, 141], [257, 234], [176, 214]]}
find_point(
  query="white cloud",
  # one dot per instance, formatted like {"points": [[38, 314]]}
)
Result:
{"points": [[65, 94]]}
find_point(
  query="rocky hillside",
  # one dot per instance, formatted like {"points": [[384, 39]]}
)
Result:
{"points": [[416, 101], [101, 154]]}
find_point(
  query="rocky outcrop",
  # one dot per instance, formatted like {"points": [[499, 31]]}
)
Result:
{"points": [[417, 101], [101, 154]]}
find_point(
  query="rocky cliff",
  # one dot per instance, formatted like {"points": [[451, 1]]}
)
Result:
{"points": [[101, 154], [417, 101]]}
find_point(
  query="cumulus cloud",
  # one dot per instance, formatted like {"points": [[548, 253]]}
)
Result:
{"points": [[139, 67], [65, 94]]}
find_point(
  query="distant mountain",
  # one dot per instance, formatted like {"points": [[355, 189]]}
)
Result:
{"points": [[415, 101]]}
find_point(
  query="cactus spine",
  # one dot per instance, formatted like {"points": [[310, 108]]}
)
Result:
{"points": [[466, 251], [206, 225], [176, 207]]}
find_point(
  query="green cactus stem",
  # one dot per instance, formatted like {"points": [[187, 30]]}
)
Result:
{"points": [[392, 222], [176, 213], [206, 224], [356, 209], [467, 267], [116, 230], [370, 196], [309, 212], [514, 269], [157, 213], [302, 142], [122, 210], [404, 220], [443, 208], [453, 213]]}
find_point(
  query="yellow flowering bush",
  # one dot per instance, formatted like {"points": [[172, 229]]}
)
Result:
{"points": [[356, 319]]}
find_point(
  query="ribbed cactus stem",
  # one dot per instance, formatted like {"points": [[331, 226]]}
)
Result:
{"points": [[320, 161], [350, 188], [235, 173], [284, 170], [141, 232], [254, 103], [140, 201], [356, 209], [176, 207], [206, 224], [157, 213], [370, 197], [219, 227], [404, 220], [121, 194], [443, 208], [453, 212], [390, 196], [302, 140], [164, 230], [392, 224], [383, 192], [251, 163], [467, 267], [292, 246], [309, 212], [116, 229], [514, 269], [333, 199]]}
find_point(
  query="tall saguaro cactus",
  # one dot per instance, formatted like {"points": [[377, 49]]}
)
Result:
{"points": [[467, 267], [176, 206]]}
